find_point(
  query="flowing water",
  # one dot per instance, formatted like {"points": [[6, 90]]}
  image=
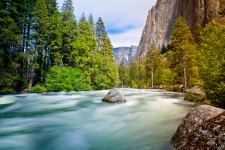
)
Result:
{"points": [[80, 121]]}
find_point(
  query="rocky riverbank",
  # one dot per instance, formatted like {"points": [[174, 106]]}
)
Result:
{"points": [[202, 128]]}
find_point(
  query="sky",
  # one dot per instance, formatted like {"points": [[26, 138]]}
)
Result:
{"points": [[124, 19]]}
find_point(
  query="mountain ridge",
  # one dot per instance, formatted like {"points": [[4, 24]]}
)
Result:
{"points": [[124, 53]]}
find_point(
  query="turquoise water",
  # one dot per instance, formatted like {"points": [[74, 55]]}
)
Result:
{"points": [[80, 121]]}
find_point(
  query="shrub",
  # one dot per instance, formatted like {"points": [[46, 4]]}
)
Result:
{"points": [[38, 89], [66, 79]]}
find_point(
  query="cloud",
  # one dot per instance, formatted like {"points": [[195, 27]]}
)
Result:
{"points": [[124, 19], [128, 38]]}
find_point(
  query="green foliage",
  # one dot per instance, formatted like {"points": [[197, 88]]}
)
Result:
{"points": [[84, 48], [133, 72], [183, 54], [8, 82], [40, 35], [152, 63], [66, 79], [106, 62], [34, 36], [38, 89], [123, 74], [212, 62], [68, 31]]}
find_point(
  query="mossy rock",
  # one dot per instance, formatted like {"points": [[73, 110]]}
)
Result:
{"points": [[195, 94]]}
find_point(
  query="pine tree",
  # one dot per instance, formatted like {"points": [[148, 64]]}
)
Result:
{"points": [[153, 62], [91, 21], [122, 71], [100, 33], [84, 47], [133, 73], [41, 33], [104, 46], [67, 7], [9, 47], [55, 39], [51, 6], [184, 53], [211, 60], [69, 31]]}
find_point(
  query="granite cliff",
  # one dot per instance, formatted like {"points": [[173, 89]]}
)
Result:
{"points": [[162, 16], [125, 54]]}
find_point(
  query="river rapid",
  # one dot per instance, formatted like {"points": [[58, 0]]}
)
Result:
{"points": [[80, 121]]}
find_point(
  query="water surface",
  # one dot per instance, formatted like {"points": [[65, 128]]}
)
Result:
{"points": [[80, 121]]}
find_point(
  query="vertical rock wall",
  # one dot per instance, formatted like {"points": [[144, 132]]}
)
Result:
{"points": [[158, 26], [162, 16]]}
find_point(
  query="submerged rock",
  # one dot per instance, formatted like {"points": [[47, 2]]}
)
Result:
{"points": [[202, 128], [114, 96], [195, 94]]}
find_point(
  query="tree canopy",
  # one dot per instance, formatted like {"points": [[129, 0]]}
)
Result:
{"points": [[40, 44]]}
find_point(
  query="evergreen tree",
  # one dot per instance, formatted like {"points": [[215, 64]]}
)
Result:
{"points": [[122, 71], [108, 65], [184, 53], [55, 39], [51, 6], [34, 36], [67, 7], [84, 47], [100, 33], [153, 62], [133, 73], [9, 46], [212, 62], [69, 31], [91, 21], [41, 33], [141, 73]]}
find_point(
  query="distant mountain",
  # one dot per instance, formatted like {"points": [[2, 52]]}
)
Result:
{"points": [[125, 54]]}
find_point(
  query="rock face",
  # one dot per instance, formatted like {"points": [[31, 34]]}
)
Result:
{"points": [[202, 128], [162, 16], [114, 96], [125, 54], [195, 94], [158, 26]]}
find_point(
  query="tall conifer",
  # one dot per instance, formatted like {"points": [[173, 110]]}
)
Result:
{"points": [[184, 53]]}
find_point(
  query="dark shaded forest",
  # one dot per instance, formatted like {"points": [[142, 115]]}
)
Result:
{"points": [[48, 49]]}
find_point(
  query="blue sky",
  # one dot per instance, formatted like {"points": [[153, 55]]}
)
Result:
{"points": [[124, 19]]}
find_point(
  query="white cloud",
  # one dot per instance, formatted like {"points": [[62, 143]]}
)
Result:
{"points": [[128, 38], [117, 14]]}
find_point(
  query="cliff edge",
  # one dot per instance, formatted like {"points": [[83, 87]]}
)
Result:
{"points": [[162, 16]]}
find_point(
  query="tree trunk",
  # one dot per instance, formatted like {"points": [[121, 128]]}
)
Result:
{"points": [[31, 78], [152, 78], [184, 73]]}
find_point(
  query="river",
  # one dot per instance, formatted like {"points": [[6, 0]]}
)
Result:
{"points": [[80, 121]]}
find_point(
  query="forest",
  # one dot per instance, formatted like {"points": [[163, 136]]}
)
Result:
{"points": [[191, 59], [43, 48]]}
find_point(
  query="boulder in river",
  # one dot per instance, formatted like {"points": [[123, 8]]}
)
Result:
{"points": [[202, 128], [114, 96], [195, 94]]}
